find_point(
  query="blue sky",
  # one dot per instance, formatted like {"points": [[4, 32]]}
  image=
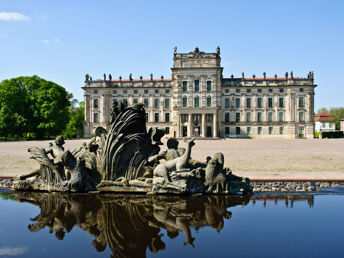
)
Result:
{"points": [[63, 40]]}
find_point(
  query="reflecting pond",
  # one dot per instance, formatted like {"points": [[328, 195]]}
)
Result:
{"points": [[114, 225]]}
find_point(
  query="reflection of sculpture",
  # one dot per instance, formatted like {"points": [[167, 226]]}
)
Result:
{"points": [[129, 225], [127, 158]]}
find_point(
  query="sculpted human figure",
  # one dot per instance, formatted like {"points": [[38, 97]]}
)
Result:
{"points": [[177, 164], [56, 150]]}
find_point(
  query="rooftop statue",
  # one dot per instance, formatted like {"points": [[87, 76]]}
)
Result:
{"points": [[128, 158]]}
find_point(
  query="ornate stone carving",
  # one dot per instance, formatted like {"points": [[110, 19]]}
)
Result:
{"points": [[127, 158]]}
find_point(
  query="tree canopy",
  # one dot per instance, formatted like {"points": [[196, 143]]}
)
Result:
{"points": [[33, 105]]}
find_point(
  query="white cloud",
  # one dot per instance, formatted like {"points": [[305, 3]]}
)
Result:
{"points": [[12, 251], [12, 16], [48, 41]]}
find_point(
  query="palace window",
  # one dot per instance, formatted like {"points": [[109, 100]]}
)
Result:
{"points": [[145, 103], [259, 117], [136, 91], [125, 102], [146, 117], [135, 101], [226, 117], [301, 102], [301, 90], [208, 86], [270, 117], [114, 100], [95, 91], [196, 102], [281, 90], [237, 130], [248, 102], [185, 86], [227, 130], [226, 90], [167, 103], [259, 130], [281, 116], [114, 92], [95, 103], [185, 102], [145, 91], [281, 102], [95, 117], [156, 117], [208, 102], [226, 102], [156, 103], [271, 130], [259, 104], [237, 117], [237, 102], [301, 117], [248, 117], [248, 90], [167, 130], [259, 90], [125, 91], [167, 117], [237, 90], [185, 118], [156, 91], [248, 130], [270, 90], [196, 85], [269, 102], [209, 118], [281, 130], [167, 91]]}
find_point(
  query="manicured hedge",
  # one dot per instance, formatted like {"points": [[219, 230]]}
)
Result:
{"points": [[337, 134]]}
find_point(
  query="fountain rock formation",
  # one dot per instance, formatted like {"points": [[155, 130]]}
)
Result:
{"points": [[127, 158]]}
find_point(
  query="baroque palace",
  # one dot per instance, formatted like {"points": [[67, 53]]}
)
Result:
{"points": [[198, 102]]}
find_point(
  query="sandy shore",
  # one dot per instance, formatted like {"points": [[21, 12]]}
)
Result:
{"points": [[254, 158]]}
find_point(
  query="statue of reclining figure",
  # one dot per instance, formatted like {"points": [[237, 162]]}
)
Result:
{"points": [[177, 164]]}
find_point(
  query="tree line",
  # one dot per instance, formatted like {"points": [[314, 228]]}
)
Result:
{"points": [[34, 108]]}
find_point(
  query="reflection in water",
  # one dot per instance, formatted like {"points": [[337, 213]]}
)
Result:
{"points": [[128, 224], [288, 200]]}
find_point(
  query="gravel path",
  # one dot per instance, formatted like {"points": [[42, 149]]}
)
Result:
{"points": [[254, 158]]}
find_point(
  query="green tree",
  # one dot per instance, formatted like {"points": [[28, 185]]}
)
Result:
{"points": [[14, 108], [45, 108], [75, 126]]}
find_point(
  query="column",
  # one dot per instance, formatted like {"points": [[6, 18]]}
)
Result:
{"points": [[203, 129], [178, 125], [190, 125], [215, 125]]}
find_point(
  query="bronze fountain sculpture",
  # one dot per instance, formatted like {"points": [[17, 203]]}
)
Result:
{"points": [[127, 158]]}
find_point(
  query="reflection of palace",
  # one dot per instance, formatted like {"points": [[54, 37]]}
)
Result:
{"points": [[198, 101], [288, 200], [129, 224]]}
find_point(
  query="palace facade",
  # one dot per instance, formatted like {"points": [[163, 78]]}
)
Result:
{"points": [[198, 102]]}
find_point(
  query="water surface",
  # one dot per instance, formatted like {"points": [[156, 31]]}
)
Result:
{"points": [[108, 225]]}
